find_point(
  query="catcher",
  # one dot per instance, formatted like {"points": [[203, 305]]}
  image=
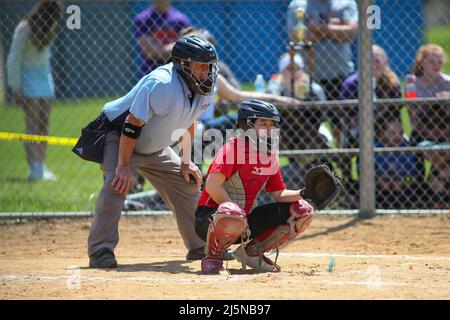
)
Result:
{"points": [[225, 213]]}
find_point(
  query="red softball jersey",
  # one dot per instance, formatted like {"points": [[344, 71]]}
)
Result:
{"points": [[247, 172]]}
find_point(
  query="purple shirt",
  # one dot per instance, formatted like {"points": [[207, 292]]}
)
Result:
{"points": [[349, 89], [426, 91], [164, 27]]}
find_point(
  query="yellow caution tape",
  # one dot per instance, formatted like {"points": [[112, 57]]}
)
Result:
{"points": [[61, 141]]}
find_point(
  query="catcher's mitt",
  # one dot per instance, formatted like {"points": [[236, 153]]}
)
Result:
{"points": [[321, 186]]}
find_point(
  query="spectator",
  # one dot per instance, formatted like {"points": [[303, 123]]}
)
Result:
{"points": [[331, 27], [434, 125], [387, 83], [387, 87], [301, 79], [396, 173], [439, 178], [224, 69], [156, 30], [31, 81], [431, 82], [226, 91], [301, 128], [434, 130], [208, 118]]}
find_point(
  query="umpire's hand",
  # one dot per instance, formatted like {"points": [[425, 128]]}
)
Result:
{"points": [[122, 181], [191, 170]]}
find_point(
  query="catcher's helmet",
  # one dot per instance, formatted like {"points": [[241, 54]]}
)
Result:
{"points": [[249, 111], [252, 109], [193, 48]]}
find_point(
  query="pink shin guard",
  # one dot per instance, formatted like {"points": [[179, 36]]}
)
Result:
{"points": [[228, 224]]}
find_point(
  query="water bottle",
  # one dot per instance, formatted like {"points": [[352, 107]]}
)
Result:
{"points": [[300, 25], [260, 84], [274, 85], [410, 87], [331, 264]]}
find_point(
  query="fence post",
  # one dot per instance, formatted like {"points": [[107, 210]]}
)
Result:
{"points": [[366, 123]]}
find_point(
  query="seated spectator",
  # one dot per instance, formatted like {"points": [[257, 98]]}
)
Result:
{"points": [[439, 179], [301, 128], [434, 125], [395, 172], [430, 82], [301, 79], [387, 83], [331, 26], [387, 87], [226, 91], [434, 130]]}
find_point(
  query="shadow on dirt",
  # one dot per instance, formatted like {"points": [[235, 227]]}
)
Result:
{"points": [[348, 224], [173, 266]]}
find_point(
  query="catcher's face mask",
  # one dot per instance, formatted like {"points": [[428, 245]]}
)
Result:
{"points": [[264, 134], [201, 77]]}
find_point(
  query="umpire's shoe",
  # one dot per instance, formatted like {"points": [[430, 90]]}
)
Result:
{"points": [[103, 258], [199, 254]]}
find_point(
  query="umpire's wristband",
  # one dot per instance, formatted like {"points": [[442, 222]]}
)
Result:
{"points": [[131, 131]]}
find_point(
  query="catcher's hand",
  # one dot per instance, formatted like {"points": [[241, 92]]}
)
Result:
{"points": [[321, 186]]}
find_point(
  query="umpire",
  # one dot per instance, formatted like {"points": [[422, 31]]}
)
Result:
{"points": [[168, 99]]}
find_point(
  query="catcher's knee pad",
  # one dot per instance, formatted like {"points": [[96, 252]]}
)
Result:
{"points": [[300, 217], [227, 225]]}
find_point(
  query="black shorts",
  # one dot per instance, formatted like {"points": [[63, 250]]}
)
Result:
{"points": [[259, 220]]}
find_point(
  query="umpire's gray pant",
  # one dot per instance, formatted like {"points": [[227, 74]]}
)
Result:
{"points": [[162, 169]]}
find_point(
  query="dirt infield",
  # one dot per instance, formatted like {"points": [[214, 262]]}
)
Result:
{"points": [[403, 257]]}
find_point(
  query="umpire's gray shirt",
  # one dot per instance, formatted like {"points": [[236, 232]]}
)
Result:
{"points": [[161, 100]]}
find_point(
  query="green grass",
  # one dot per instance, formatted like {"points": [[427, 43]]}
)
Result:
{"points": [[78, 179]]}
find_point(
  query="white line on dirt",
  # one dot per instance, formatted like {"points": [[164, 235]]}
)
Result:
{"points": [[363, 256], [176, 252], [214, 278], [46, 278], [224, 277]]}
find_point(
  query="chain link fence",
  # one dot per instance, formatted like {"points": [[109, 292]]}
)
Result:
{"points": [[52, 87]]}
